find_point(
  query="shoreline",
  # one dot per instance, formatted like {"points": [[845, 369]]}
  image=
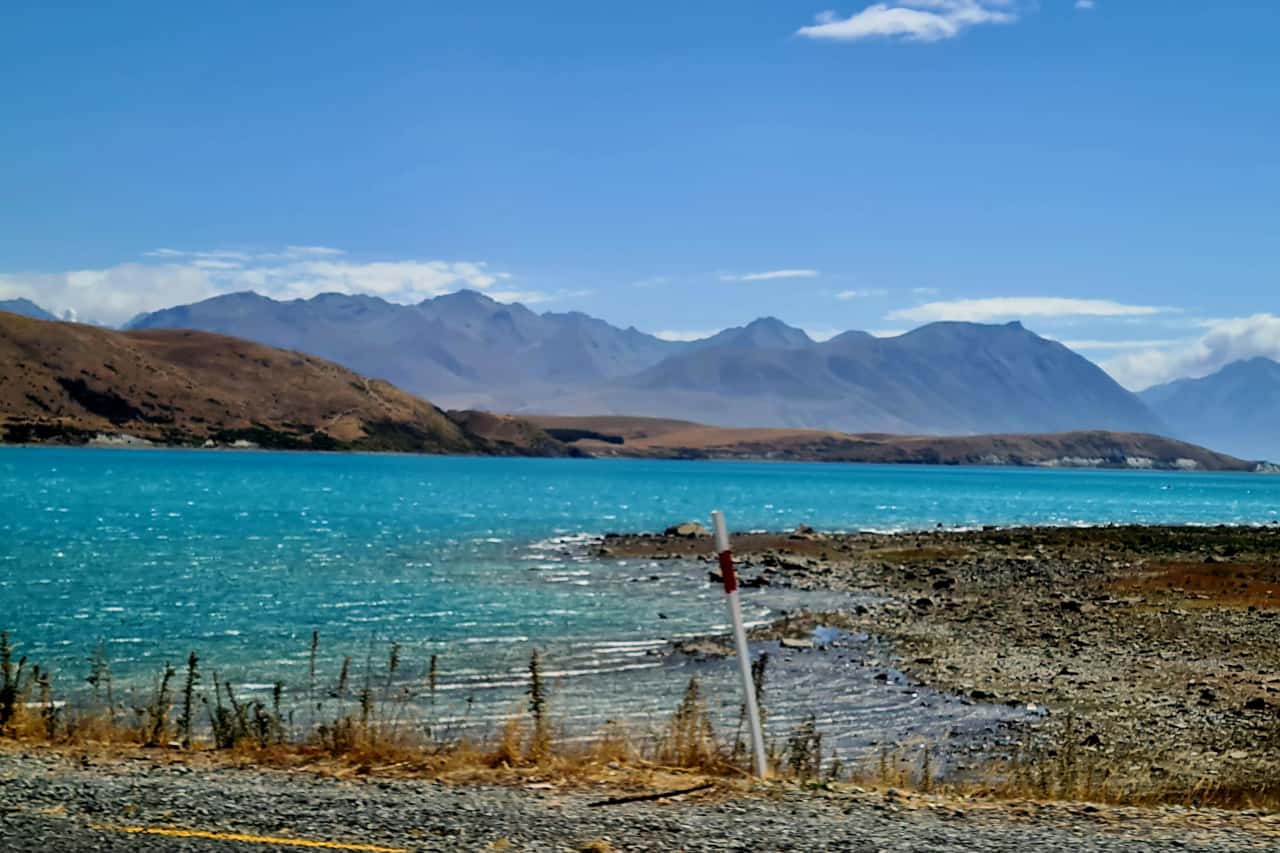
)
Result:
{"points": [[1162, 695], [1260, 467], [1153, 647]]}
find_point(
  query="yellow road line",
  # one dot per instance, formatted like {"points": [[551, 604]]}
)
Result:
{"points": [[251, 839]]}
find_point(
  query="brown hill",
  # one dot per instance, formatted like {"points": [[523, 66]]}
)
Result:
{"points": [[673, 439], [70, 383]]}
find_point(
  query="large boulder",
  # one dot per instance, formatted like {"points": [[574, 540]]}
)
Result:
{"points": [[689, 530]]}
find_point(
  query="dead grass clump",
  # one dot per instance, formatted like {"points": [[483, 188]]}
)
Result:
{"points": [[689, 740], [1069, 768]]}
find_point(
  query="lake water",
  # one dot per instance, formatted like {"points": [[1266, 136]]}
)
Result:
{"points": [[478, 561]]}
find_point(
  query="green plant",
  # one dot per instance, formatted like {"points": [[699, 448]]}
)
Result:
{"points": [[312, 705], [49, 711], [156, 714], [277, 694], [230, 724], [541, 742], [804, 749], [188, 698], [759, 673], [10, 682], [100, 678]]}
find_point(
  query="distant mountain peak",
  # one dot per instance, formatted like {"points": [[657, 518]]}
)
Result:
{"points": [[464, 296], [1257, 362], [1235, 408], [765, 332], [772, 324], [25, 308], [851, 336]]}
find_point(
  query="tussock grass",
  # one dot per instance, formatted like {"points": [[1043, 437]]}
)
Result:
{"points": [[1063, 771], [370, 729]]}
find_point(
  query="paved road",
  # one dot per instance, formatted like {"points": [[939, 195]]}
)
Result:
{"points": [[50, 804]]}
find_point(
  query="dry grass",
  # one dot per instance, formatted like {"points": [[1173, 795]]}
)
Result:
{"points": [[1236, 585], [351, 729], [1064, 770], [364, 731]]}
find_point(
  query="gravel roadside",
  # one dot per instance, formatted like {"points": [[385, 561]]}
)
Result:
{"points": [[54, 802]]}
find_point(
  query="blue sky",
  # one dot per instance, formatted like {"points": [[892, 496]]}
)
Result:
{"points": [[1107, 172]]}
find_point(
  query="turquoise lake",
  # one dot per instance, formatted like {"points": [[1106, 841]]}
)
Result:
{"points": [[242, 555]]}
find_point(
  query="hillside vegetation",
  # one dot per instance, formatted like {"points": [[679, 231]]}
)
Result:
{"points": [[71, 383], [673, 439]]}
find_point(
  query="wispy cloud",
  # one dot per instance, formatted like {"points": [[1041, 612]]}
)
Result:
{"points": [[770, 275], [846, 295], [685, 334], [536, 297], [911, 20], [1086, 4], [652, 281], [524, 297], [822, 333], [1224, 342], [1103, 345], [167, 277], [1011, 307]]}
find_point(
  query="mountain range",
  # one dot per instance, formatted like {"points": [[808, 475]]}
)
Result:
{"points": [[71, 383], [467, 351], [25, 308], [460, 345], [66, 383], [1237, 408]]}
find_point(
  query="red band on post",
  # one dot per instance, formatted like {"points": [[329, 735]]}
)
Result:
{"points": [[727, 573]]}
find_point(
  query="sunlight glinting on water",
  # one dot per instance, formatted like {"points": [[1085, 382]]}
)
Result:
{"points": [[477, 562]]}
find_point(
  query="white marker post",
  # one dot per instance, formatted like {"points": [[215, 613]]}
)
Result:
{"points": [[740, 639]]}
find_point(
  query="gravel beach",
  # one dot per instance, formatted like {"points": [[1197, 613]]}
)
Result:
{"points": [[55, 802], [1155, 650]]}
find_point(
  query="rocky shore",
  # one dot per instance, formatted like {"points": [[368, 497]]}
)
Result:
{"points": [[1155, 650]]}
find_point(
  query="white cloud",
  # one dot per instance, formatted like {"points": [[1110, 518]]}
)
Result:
{"points": [[536, 297], [860, 294], [396, 281], [685, 335], [1226, 341], [822, 333], [770, 275], [168, 277], [911, 20], [1119, 345], [1085, 4], [524, 297], [653, 281], [925, 291], [1007, 307]]}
